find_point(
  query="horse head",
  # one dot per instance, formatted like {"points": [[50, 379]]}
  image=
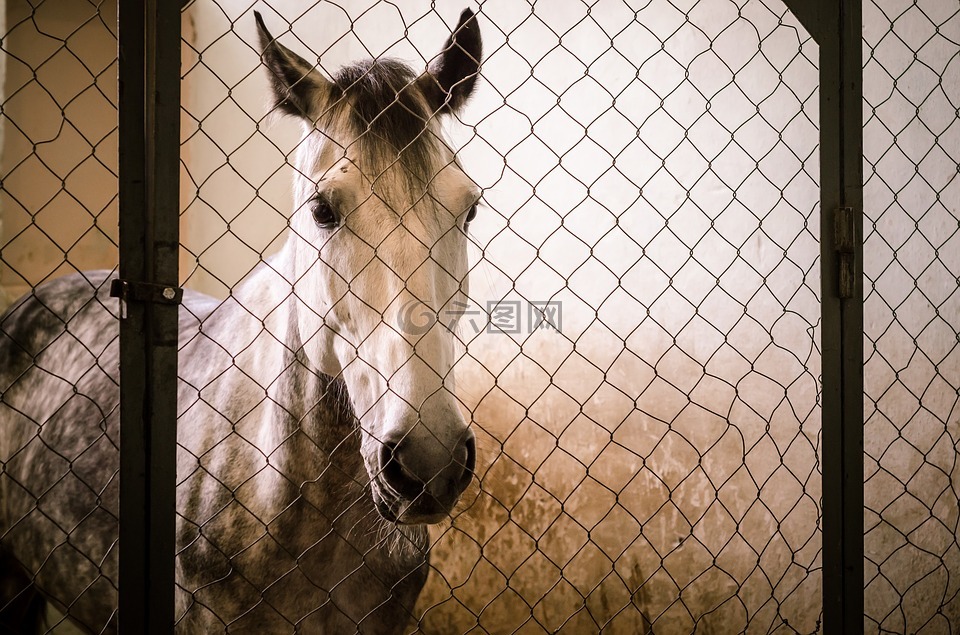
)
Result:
{"points": [[381, 206]]}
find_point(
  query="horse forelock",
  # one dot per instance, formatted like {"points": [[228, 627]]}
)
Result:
{"points": [[388, 125]]}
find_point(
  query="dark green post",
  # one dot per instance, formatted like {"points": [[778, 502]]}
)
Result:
{"points": [[836, 25], [149, 75]]}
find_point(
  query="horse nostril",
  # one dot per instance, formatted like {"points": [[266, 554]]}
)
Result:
{"points": [[395, 474], [469, 464], [419, 464]]}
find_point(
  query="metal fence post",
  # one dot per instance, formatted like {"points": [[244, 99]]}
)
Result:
{"points": [[841, 214], [836, 26], [149, 75]]}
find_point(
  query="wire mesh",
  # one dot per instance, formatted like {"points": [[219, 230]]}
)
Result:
{"points": [[638, 352], [59, 135], [912, 321], [651, 175], [58, 215]]}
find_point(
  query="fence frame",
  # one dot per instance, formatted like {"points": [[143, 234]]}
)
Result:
{"points": [[149, 112], [149, 165], [836, 26], [841, 188]]}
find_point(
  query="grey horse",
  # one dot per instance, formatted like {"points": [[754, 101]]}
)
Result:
{"points": [[316, 436]]}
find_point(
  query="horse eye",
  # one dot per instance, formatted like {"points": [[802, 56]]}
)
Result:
{"points": [[470, 215], [323, 213]]}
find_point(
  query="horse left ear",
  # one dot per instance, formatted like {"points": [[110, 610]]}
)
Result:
{"points": [[452, 75], [297, 87]]}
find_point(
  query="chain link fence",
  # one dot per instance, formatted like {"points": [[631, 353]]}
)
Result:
{"points": [[911, 315], [639, 348], [58, 216], [648, 459], [59, 141]]}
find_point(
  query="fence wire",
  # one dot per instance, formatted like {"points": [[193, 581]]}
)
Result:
{"points": [[911, 315], [650, 174], [58, 216], [638, 352]]}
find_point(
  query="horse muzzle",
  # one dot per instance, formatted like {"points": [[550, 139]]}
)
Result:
{"points": [[422, 476]]}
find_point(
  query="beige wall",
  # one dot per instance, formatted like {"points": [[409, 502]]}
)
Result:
{"points": [[59, 155]]}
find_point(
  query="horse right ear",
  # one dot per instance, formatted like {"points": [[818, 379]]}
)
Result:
{"points": [[298, 88]]}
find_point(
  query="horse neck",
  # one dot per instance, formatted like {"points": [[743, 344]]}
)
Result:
{"points": [[250, 349], [253, 336], [255, 324]]}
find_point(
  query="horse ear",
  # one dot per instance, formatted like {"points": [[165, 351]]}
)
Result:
{"points": [[452, 75], [297, 87]]}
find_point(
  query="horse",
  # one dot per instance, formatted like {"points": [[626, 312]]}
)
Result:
{"points": [[316, 436]]}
